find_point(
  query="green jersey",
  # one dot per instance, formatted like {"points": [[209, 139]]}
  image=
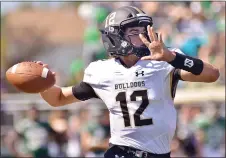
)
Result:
{"points": [[34, 137]]}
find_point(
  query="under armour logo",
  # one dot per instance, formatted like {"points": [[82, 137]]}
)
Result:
{"points": [[139, 73], [189, 63]]}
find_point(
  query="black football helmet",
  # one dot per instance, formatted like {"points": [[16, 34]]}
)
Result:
{"points": [[113, 31]]}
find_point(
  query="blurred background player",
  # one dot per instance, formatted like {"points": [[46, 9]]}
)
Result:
{"points": [[30, 137]]}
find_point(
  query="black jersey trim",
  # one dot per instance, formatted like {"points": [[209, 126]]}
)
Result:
{"points": [[174, 79]]}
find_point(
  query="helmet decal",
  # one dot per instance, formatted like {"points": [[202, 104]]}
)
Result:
{"points": [[110, 20]]}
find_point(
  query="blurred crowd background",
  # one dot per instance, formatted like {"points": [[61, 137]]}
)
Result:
{"points": [[65, 35]]}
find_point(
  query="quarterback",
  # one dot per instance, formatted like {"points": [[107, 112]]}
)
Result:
{"points": [[137, 84]]}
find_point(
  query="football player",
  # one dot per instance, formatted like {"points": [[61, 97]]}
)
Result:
{"points": [[137, 85]]}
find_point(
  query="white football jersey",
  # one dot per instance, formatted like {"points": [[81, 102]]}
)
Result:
{"points": [[142, 113]]}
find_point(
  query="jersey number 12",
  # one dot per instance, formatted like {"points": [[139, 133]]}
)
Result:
{"points": [[121, 97]]}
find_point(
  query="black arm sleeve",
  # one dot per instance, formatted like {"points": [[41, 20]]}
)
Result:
{"points": [[83, 91], [175, 79]]}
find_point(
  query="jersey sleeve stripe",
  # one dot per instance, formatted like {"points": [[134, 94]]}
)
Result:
{"points": [[171, 82], [174, 79]]}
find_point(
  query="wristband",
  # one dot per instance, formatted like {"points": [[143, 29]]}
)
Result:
{"points": [[187, 63]]}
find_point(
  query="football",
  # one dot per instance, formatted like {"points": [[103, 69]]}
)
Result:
{"points": [[30, 77]]}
